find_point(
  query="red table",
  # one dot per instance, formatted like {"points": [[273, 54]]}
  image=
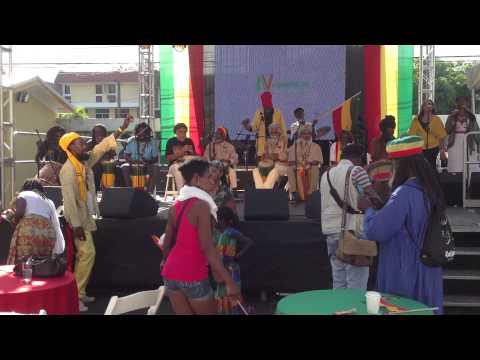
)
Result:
{"points": [[58, 296]]}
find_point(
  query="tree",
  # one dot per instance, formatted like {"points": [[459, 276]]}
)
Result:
{"points": [[450, 82], [79, 114]]}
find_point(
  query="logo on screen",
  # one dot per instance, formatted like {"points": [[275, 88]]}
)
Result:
{"points": [[264, 82]]}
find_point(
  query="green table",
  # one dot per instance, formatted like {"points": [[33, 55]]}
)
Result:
{"points": [[327, 302]]}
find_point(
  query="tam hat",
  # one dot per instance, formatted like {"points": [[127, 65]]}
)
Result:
{"points": [[380, 170], [404, 147]]}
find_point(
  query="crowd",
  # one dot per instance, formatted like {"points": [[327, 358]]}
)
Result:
{"points": [[388, 201]]}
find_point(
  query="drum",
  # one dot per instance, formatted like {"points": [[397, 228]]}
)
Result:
{"points": [[265, 166], [137, 175], [108, 175], [49, 173]]}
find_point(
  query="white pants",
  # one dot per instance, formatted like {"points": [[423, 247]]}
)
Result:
{"points": [[269, 182]]}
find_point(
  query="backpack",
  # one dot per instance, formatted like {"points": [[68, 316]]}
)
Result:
{"points": [[438, 247], [439, 244]]}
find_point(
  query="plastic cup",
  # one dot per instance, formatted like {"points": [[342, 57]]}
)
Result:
{"points": [[373, 302]]}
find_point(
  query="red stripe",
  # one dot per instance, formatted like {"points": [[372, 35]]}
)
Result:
{"points": [[337, 121], [382, 176], [405, 153], [197, 121], [372, 91]]}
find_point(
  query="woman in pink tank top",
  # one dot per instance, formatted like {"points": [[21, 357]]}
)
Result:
{"points": [[187, 255]]}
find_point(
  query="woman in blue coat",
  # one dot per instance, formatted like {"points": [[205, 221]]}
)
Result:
{"points": [[400, 226]]}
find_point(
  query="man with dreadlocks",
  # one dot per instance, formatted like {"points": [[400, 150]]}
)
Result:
{"points": [[99, 132], [50, 157], [80, 202], [221, 149]]}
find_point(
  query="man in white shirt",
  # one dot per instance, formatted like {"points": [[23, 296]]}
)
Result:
{"points": [[299, 114]]}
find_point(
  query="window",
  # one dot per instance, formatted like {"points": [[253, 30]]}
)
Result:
{"points": [[98, 89], [68, 98], [112, 89], [112, 98], [157, 114], [99, 99], [102, 113], [66, 90], [122, 113]]}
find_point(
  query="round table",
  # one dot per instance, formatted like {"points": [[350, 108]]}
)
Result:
{"points": [[58, 296], [328, 302]]}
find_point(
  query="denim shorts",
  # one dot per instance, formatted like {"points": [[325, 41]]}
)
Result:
{"points": [[194, 290]]}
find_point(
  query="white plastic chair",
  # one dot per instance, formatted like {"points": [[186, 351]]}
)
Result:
{"points": [[173, 192], [145, 299]]}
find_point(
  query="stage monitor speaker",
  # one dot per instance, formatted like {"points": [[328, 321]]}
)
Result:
{"points": [[451, 184], [265, 204], [475, 185], [313, 207], [128, 203], [54, 193]]}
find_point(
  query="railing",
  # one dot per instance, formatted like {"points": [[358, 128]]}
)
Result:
{"points": [[467, 174]]}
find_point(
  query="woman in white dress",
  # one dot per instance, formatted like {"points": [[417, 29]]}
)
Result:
{"points": [[458, 124]]}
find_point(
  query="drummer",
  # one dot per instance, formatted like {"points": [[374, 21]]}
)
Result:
{"points": [[99, 132], [273, 165], [221, 149], [49, 150], [177, 151], [304, 157], [148, 157]]}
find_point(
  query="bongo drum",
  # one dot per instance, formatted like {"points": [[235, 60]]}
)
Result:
{"points": [[108, 175], [137, 175], [49, 173]]}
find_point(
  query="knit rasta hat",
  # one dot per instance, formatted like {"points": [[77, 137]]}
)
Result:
{"points": [[381, 170], [404, 147]]}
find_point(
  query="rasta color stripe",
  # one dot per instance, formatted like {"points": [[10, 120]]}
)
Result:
{"points": [[181, 92], [342, 118]]}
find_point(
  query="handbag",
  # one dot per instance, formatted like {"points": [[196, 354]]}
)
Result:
{"points": [[43, 266], [352, 250]]}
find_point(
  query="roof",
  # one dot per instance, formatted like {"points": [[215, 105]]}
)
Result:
{"points": [[88, 77], [44, 93]]}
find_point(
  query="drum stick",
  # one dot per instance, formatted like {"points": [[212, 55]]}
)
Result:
{"points": [[242, 308]]}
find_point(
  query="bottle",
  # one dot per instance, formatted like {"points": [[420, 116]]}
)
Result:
{"points": [[27, 271]]}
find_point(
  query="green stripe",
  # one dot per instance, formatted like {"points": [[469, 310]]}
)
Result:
{"points": [[405, 87], [167, 96]]}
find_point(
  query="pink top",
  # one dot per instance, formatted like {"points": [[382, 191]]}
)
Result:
{"points": [[186, 261]]}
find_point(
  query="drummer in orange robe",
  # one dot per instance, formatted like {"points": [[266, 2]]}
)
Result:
{"points": [[306, 161]]}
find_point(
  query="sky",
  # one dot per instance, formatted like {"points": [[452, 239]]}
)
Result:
{"points": [[26, 58]]}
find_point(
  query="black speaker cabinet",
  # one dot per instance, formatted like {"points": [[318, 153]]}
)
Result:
{"points": [[475, 185], [313, 207], [451, 184], [127, 203], [265, 204]]}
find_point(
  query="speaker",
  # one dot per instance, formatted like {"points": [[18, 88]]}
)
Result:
{"points": [[244, 178], [451, 184], [313, 207], [54, 193], [474, 189], [266, 204], [127, 203]]}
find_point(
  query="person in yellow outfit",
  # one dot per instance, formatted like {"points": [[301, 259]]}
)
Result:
{"points": [[430, 128], [262, 119], [80, 200]]}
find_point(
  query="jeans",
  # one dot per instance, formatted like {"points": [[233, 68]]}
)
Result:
{"points": [[345, 276]]}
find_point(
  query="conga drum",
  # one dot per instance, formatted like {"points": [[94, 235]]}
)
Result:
{"points": [[49, 173], [108, 175], [137, 175]]}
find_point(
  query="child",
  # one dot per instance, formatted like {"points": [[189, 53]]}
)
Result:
{"points": [[226, 241]]}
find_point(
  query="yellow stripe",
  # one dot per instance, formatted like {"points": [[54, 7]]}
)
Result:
{"points": [[383, 80], [402, 147], [391, 69], [181, 78], [346, 116]]}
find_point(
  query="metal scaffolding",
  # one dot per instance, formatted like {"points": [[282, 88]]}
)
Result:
{"points": [[426, 82], [146, 85], [7, 126]]}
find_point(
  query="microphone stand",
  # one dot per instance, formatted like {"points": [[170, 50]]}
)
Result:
{"points": [[36, 159], [137, 170]]}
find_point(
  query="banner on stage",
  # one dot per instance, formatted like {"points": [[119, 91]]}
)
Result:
{"points": [[311, 77]]}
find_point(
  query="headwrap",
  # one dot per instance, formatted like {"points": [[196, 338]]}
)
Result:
{"points": [[223, 131], [404, 147], [305, 128], [64, 143], [266, 98]]}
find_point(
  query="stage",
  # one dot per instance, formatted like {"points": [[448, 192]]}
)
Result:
{"points": [[287, 256]]}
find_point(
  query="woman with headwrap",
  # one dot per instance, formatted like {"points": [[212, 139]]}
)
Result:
{"points": [[262, 119], [220, 149], [80, 199]]}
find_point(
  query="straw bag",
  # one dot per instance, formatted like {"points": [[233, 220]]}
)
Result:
{"points": [[352, 250]]}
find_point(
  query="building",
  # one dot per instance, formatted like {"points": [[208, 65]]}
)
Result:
{"points": [[104, 95], [36, 106]]}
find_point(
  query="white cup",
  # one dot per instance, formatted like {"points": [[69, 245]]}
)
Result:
{"points": [[373, 302]]}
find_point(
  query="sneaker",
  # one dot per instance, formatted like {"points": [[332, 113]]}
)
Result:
{"points": [[82, 307], [87, 299]]}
